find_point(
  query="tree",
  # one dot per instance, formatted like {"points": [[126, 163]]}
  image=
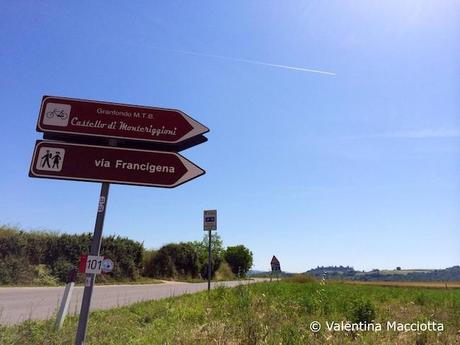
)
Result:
{"points": [[239, 258], [172, 260], [217, 253]]}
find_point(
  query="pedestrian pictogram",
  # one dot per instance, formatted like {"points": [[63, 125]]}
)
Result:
{"points": [[50, 159]]}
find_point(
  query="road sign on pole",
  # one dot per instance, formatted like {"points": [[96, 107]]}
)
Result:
{"points": [[275, 264], [107, 265], [209, 224], [58, 160], [210, 220], [276, 267], [142, 134], [94, 264], [78, 117]]}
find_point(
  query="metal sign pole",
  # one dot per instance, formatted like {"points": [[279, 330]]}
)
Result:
{"points": [[90, 278], [209, 262]]}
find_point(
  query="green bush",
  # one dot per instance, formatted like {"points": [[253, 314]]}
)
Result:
{"points": [[43, 276], [22, 253], [224, 272], [362, 311], [173, 261], [40, 257], [147, 259], [15, 270], [239, 258], [421, 299], [202, 250], [60, 269]]}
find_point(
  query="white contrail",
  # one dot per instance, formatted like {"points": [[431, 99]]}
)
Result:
{"points": [[301, 69], [415, 134]]}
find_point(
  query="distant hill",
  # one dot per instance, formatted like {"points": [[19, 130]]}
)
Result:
{"points": [[349, 273], [257, 273]]}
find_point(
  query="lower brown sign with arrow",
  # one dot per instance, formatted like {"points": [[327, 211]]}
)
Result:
{"points": [[58, 160]]}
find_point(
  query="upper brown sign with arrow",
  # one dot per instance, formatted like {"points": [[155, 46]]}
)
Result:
{"points": [[76, 117]]}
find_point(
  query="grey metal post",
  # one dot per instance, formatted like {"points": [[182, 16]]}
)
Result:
{"points": [[209, 262], [64, 308], [90, 278]]}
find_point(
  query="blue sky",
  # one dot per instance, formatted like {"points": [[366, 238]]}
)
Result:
{"points": [[358, 166]]}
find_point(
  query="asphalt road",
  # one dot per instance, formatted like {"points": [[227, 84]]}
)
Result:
{"points": [[38, 303]]}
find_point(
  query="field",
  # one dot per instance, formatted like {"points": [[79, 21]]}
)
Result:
{"points": [[433, 284], [279, 312]]}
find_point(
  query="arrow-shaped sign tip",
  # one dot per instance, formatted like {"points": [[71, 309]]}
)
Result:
{"points": [[193, 171], [198, 128]]}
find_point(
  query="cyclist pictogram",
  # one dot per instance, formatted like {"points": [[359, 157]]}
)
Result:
{"points": [[56, 114], [60, 113]]}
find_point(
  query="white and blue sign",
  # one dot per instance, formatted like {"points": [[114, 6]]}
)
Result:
{"points": [[210, 220]]}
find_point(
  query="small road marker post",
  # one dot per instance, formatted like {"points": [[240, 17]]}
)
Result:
{"points": [[65, 302]]}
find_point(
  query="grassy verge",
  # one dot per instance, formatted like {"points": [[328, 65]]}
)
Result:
{"points": [[197, 280], [143, 280], [263, 313], [431, 284]]}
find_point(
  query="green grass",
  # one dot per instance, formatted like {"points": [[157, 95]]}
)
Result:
{"points": [[141, 280], [264, 313], [199, 280]]}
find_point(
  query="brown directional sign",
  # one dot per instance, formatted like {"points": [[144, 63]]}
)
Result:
{"points": [[58, 160], [62, 116]]}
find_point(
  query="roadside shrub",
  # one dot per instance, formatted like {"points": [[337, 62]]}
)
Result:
{"points": [[224, 272], [217, 254], [60, 269], [43, 276], [160, 266], [147, 259], [12, 242], [173, 261], [21, 252], [239, 258], [216, 262], [15, 270], [126, 254], [421, 299], [362, 311]]}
